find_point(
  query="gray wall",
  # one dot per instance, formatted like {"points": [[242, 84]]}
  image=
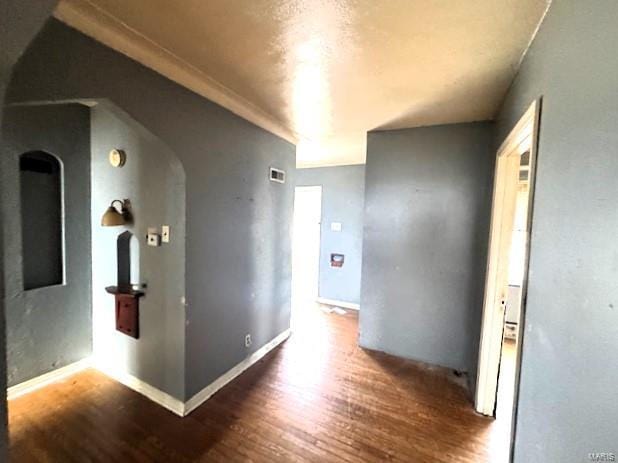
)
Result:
{"points": [[567, 403], [19, 21], [343, 190], [427, 200], [154, 180], [238, 263], [243, 285], [38, 320]]}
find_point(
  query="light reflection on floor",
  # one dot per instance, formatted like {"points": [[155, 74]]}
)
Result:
{"points": [[318, 397]]}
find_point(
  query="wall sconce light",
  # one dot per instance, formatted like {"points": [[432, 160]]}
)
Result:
{"points": [[113, 217]]}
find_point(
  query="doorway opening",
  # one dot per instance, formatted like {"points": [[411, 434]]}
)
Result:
{"points": [[305, 249], [507, 264]]}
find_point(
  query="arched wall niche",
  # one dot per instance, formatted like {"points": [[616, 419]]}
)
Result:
{"points": [[128, 260], [42, 219]]}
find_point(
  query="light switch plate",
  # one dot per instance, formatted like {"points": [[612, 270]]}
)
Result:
{"points": [[335, 226], [165, 233]]}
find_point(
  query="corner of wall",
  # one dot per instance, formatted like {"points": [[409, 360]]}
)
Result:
{"points": [[153, 178]]}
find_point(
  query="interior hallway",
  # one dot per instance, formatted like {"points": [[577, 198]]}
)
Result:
{"points": [[318, 397]]}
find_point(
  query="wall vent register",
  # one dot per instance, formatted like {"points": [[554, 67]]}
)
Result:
{"points": [[276, 175]]}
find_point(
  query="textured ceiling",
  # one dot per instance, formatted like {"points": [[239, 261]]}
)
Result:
{"points": [[324, 72]]}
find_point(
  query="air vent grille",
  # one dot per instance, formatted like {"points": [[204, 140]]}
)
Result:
{"points": [[276, 175]]}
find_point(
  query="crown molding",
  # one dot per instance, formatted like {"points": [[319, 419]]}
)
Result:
{"points": [[110, 31]]}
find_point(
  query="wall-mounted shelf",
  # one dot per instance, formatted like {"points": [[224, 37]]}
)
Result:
{"points": [[126, 291]]}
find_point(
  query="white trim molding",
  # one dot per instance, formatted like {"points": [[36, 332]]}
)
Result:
{"points": [[48, 378], [173, 404], [345, 305], [523, 137], [202, 396], [95, 22]]}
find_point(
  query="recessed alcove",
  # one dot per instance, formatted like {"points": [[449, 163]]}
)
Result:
{"points": [[127, 249], [40, 176]]}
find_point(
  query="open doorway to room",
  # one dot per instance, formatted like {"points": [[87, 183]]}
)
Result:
{"points": [[505, 290], [305, 249]]}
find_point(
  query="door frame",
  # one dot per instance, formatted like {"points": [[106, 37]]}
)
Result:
{"points": [[523, 137]]}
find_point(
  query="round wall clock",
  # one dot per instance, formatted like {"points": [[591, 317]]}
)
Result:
{"points": [[117, 158]]}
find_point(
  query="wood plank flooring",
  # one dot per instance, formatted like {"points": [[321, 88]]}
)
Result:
{"points": [[317, 398]]}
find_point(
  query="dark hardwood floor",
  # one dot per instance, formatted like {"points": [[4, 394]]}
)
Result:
{"points": [[318, 397]]}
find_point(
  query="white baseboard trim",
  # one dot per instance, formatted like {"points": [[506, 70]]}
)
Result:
{"points": [[345, 305], [202, 396], [51, 377], [173, 404]]}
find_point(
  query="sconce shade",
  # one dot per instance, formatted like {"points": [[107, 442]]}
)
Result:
{"points": [[112, 217]]}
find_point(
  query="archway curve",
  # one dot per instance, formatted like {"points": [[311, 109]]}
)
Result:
{"points": [[18, 27]]}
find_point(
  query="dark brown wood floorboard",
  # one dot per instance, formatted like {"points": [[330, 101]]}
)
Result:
{"points": [[317, 398]]}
